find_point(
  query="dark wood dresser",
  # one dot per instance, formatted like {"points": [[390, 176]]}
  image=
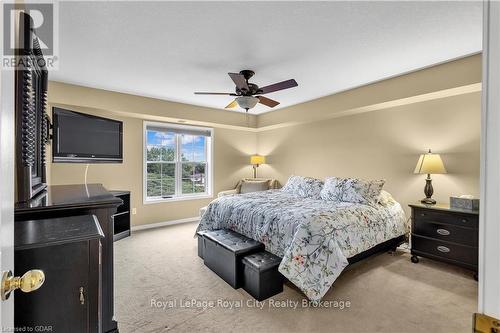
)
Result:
{"points": [[446, 234], [60, 201], [68, 251]]}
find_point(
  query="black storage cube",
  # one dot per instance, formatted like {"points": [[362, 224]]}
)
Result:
{"points": [[223, 252], [261, 278], [201, 243]]}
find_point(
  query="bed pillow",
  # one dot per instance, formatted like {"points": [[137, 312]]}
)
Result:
{"points": [[385, 198], [352, 190], [305, 187], [254, 186]]}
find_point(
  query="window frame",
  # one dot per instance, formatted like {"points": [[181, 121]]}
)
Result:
{"points": [[178, 196]]}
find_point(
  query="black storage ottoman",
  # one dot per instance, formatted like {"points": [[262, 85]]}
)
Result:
{"points": [[201, 243], [223, 252], [261, 278]]}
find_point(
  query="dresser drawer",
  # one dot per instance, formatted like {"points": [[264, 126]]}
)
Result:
{"points": [[447, 232], [464, 220], [464, 254]]}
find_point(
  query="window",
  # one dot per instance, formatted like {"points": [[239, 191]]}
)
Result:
{"points": [[177, 162]]}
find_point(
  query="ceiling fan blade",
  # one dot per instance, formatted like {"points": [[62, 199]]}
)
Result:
{"points": [[267, 101], [213, 93], [279, 86], [239, 80], [231, 105]]}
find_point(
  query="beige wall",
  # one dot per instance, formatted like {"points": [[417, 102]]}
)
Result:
{"points": [[135, 106], [374, 131], [384, 144], [231, 151], [448, 79]]}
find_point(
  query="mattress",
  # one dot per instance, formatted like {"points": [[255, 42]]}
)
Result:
{"points": [[314, 237]]}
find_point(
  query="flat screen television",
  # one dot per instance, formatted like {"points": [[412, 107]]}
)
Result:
{"points": [[83, 138]]}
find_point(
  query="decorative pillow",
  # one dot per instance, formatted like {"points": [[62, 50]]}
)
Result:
{"points": [[352, 190], [385, 198], [254, 186], [305, 187]]}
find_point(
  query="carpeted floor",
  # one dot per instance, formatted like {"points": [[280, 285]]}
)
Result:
{"points": [[158, 275]]}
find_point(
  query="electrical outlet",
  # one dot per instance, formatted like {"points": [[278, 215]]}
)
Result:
{"points": [[134, 211]]}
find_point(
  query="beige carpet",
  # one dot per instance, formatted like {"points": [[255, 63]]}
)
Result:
{"points": [[387, 293]]}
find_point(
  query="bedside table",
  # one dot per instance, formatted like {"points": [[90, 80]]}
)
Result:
{"points": [[446, 234]]}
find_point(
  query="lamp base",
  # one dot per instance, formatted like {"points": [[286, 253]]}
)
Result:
{"points": [[428, 191], [428, 201]]}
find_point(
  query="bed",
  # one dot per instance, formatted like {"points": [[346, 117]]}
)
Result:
{"points": [[316, 238]]}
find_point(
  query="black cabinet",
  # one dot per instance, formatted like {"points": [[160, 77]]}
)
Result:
{"points": [[445, 234], [67, 250], [121, 219], [61, 201]]}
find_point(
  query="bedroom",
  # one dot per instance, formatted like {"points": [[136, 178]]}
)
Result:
{"points": [[367, 88]]}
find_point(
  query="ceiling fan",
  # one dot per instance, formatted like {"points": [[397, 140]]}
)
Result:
{"points": [[245, 92]]}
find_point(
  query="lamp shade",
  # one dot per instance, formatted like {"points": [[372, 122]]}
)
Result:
{"points": [[257, 159], [430, 163]]}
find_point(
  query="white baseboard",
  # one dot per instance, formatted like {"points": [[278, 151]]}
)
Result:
{"points": [[164, 224]]}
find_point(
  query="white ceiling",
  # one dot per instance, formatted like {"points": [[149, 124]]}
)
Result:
{"points": [[169, 50]]}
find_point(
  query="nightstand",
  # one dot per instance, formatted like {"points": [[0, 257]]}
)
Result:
{"points": [[446, 234]]}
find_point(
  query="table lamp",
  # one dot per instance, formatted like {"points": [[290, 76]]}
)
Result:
{"points": [[429, 163], [255, 161]]}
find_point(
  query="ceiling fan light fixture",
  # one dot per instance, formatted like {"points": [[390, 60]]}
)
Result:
{"points": [[245, 91], [247, 102]]}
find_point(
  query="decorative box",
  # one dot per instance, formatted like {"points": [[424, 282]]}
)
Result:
{"points": [[464, 203]]}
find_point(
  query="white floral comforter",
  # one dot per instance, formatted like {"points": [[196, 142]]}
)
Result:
{"points": [[314, 237]]}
